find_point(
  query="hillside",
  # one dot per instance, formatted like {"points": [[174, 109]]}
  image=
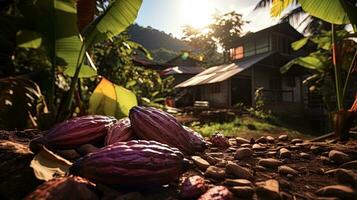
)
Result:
{"points": [[154, 39]]}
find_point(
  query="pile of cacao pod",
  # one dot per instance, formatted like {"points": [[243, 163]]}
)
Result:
{"points": [[146, 149]]}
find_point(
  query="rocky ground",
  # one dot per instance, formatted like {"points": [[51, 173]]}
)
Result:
{"points": [[233, 168]]}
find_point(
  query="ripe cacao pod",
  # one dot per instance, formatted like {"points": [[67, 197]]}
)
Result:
{"points": [[219, 140], [193, 187], [217, 193], [121, 131], [64, 188], [137, 163], [154, 124], [76, 131]]}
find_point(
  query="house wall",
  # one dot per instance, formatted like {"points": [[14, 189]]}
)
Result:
{"points": [[287, 84], [216, 94]]}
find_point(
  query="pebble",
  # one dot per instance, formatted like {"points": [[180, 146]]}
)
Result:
{"points": [[268, 190], [258, 147], [211, 160], [238, 182], [241, 140], [269, 162], [340, 191], [283, 138], [262, 139], [238, 171], [201, 163], [317, 149], [345, 176], [284, 153], [349, 165], [245, 192], [325, 159], [295, 141], [270, 139], [215, 173], [221, 163], [304, 155], [243, 153], [284, 169], [86, 149], [338, 157], [246, 145]]}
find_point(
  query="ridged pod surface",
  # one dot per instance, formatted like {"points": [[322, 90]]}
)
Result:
{"points": [[64, 188], [154, 124], [217, 193], [77, 131], [137, 163], [193, 187], [121, 131]]}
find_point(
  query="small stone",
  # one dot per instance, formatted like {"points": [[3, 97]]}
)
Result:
{"points": [[349, 165], [345, 176], [241, 140], [215, 173], [219, 140], [238, 182], [325, 159], [232, 141], [317, 149], [270, 139], [216, 154], [268, 190], [340, 191], [211, 160], [287, 170], [238, 171], [284, 153], [262, 139], [258, 147], [246, 145], [304, 155], [269, 162], [201, 163], [217, 193], [284, 184], [338, 157], [271, 153], [294, 147], [86, 149], [69, 154], [243, 153], [242, 191], [231, 149], [221, 163], [283, 138], [295, 141], [260, 168]]}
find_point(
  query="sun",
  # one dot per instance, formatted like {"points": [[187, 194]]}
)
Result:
{"points": [[197, 13]]}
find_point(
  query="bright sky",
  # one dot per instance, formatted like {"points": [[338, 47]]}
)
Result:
{"points": [[171, 15]]}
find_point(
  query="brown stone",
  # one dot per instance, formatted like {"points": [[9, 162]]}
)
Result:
{"points": [[340, 191], [238, 171], [258, 147], [338, 157], [238, 182], [245, 192], [284, 153], [201, 163], [270, 162], [215, 173], [268, 190], [349, 165], [283, 138], [243, 153], [287, 170], [241, 140]]}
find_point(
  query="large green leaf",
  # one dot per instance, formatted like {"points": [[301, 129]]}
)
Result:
{"points": [[111, 99], [28, 39], [299, 44], [333, 11], [314, 61], [56, 21], [119, 15]]}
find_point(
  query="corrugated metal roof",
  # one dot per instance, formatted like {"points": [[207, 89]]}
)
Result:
{"points": [[181, 70], [222, 72]]}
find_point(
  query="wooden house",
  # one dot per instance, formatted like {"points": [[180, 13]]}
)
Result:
{"points": [[254, 62]]}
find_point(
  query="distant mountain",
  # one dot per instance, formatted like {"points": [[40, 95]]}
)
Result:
{"points": [[163, 46]]}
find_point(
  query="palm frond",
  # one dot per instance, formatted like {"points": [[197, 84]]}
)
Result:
{"points": [[262, 4]]}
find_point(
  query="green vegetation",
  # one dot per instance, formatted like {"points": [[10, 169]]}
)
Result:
{"points": [[245, 126]]}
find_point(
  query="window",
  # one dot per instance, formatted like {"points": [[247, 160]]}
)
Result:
{"points": [[237, 53]]}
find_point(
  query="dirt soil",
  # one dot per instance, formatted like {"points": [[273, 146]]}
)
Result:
{"points": [[313, 168]]}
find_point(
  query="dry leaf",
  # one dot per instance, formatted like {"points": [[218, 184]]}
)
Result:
{"points": [[47, 165]]}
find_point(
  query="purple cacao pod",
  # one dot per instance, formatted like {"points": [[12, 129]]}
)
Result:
{"points": [[77, 131], [64, 188], [154, 124], [137, 163], [217, 193], [121, 131], [193, 187]]}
